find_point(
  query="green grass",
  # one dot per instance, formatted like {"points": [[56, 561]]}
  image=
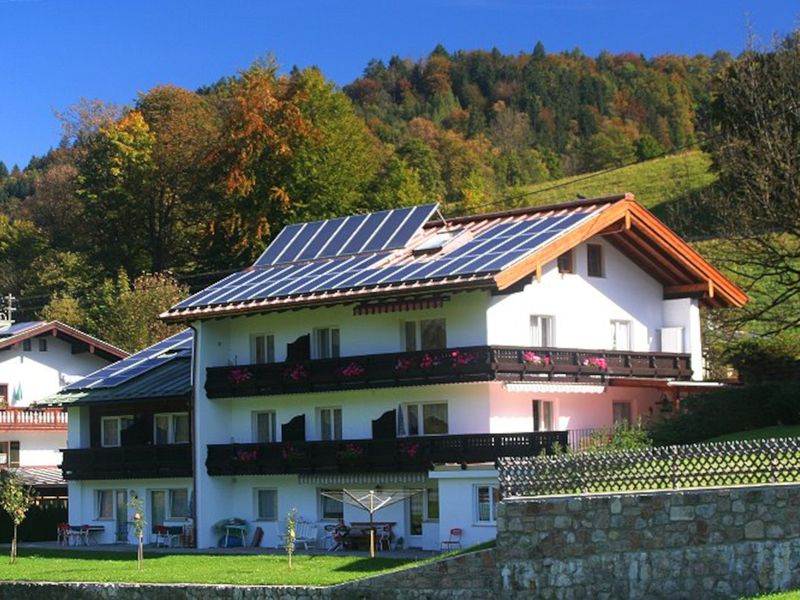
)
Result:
{"points": [[655, 183], [782, 596], [99, 566], [760, 434]]}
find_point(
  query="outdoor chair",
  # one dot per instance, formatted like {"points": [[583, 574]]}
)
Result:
{"points": [[384, 538], [62, 533], [454, 541], [165, 535]]}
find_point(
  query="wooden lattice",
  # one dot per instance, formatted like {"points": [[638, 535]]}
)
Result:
{"points": [[665, 468]]}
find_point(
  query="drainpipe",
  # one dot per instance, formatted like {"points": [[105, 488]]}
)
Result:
{"points": [[193, 413]]}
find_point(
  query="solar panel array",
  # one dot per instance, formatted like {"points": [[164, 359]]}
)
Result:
{"points": [[374, 232], [19, 328], [178, 345], [492, 250]]}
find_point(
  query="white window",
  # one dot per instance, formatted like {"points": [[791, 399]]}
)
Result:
{"points": [[541, 329], [622, 412], [111, 429], [105, 504], [620, 335], [264, 427], [426, 419], [171, 428], [486, 499], [330, 423], [326, 343], [179, 503], [9, 454], [266, 505], [330, 508], [542, 415], [426, 334], [262, 348]]}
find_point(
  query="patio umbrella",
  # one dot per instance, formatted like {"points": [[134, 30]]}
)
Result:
{"points": [[371, 501]]}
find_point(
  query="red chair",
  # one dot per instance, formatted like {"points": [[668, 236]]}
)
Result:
{"points": [[62, 533], [454, 541]]}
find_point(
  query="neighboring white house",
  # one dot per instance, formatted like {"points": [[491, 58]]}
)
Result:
{"points": [[38, 358], [390, 351]]}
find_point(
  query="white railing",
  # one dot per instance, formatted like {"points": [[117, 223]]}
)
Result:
{"points": [[22, 418]]}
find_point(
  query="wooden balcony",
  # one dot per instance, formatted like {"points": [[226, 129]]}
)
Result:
{"points": [[32, 419], [128, 462], [475, 363], [418, 453]]}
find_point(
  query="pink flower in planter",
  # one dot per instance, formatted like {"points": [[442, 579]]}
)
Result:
{"points": [[237, 376], [246, 455], [533, 358], [596, 361], [409, 450], [403, 364], [461, 358], [298, 373], [428, 361], [353, 370]]}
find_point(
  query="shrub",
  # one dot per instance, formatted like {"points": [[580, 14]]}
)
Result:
{"points": [[729, 410], [766, 359], [623, 436]]}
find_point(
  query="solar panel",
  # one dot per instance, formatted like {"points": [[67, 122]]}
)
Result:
{"points": [[490, 251], [19, 328], [373, 232], [178, 345]]}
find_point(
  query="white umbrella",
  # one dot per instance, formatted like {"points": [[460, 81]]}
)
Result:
{"points": [[371, 501]]}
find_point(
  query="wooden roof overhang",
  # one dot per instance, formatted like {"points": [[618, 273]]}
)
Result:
{"points": [[650, 244], [80, 341]]}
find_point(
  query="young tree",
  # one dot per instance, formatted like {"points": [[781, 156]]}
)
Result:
{"points": [[291, 534], [16, 498], [137, 506]]}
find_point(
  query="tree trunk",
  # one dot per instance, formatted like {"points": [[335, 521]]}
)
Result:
{"points": [[140, 552], [14, 546]]}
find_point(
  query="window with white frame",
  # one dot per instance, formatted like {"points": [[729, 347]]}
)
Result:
{"points": [[264, 427], [542, 415], [486, 499], [330, 509], [326, 342], [425, 334], [178, 504], [620, 335], [171, 428], [541, 331], [262, 348], [422, 507], [266, 504], [330, 423], [426, 418], [105, 504], [111, 429], [9, 454]]}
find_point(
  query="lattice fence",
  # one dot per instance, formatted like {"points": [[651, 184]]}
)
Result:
{"points": [[665, 468]]}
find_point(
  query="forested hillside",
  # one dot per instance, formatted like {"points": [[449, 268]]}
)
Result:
{"points": [[186, 182]]}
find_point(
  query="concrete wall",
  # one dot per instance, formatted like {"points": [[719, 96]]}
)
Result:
{"points": [[714, 543]]}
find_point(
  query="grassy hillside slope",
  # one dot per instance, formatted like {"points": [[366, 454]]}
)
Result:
{"points": [[655, 183]]}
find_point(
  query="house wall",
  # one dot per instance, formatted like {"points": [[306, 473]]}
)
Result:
{"points": [[83, 507], [37, 448], [40, 374], [458, 502], [583, 306]]}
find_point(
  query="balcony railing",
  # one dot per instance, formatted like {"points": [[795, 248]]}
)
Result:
{"points": [[474, 363], [33, 419], [402, 454], [128, 462]]}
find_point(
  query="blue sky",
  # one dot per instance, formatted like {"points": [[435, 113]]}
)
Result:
{"points": [[55, 52]]}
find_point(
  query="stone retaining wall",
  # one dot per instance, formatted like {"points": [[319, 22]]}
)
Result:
{"points": [[722, 542]]}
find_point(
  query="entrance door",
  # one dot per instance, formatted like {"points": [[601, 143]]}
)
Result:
{"points": [[122, 516], [158, 508]]}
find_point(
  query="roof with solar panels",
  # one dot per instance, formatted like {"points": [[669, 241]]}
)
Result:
{"points": [[411, 251], [160, 371]]}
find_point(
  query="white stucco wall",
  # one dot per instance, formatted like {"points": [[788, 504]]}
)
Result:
{"points": [[582, 306], [458, 501]]}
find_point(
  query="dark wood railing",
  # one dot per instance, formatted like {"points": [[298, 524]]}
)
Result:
{"points": [[473, 363], [402, 454], [173, 460]]}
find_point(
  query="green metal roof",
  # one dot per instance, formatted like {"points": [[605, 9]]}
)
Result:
{"points": [[173, 379]]}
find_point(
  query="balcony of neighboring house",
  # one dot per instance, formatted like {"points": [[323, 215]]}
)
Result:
{"points": [[134, 441], [128, 462], [452, 365], [415, 453], [33, 419]]}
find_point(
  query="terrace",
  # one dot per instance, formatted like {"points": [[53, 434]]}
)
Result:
{"points": [[452, 365], [31, 419], [167, 460]]}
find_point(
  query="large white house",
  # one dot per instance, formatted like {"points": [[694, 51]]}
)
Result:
{"points": [[38, 358], [396, 351]]}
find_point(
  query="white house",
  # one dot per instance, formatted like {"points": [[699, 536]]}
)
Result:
{"points": [[38, 358], [397, 351]]}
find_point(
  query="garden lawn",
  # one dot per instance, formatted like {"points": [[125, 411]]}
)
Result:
{"points": [[70, 565], [760, 434]]}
